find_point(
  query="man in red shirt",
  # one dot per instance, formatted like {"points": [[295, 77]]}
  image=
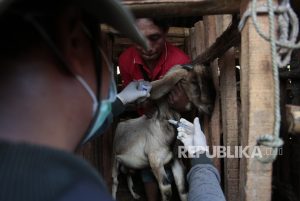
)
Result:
{"points": [[136, 63]]}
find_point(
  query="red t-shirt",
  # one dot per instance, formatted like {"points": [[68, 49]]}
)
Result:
{"points": [[130, 63]]}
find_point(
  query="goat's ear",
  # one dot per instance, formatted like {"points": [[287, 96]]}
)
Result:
{"points": [[163, 86]]}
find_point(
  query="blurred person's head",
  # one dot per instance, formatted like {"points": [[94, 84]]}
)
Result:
{"points": [[155, 32], [53, 80]]}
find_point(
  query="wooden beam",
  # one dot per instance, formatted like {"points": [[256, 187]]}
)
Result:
{"points": [[229, 108], [179, 8], [178, 32], [172, 32], [228, 39], [257, 95]]}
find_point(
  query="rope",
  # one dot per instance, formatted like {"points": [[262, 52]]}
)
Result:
{"points": [[286, 18], [281, 54]]}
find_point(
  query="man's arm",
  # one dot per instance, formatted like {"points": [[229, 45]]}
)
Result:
{"points": [[203, 178], [204, 181], [117, 107], [130, 94]]}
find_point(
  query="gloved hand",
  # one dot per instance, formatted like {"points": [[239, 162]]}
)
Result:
{"points": [[192, 136], [131, 93]]}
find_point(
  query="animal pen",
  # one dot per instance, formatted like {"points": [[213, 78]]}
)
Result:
{"points": [[245, 108]]}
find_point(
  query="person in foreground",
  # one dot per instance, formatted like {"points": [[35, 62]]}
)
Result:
{"points": [[203, 178], [55, 95]]}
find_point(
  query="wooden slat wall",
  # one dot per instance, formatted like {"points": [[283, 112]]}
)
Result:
{"points": [[203, 35]]}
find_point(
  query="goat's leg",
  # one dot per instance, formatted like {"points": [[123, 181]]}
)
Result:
{"points": [[178, 173], [161, 176], [130, 186], [115, 171]]}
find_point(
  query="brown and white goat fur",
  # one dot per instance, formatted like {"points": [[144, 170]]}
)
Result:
{"points": [[144, 142]]}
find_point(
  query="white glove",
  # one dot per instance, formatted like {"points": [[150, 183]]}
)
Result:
{"points": [[131, 93], [192, 136]]}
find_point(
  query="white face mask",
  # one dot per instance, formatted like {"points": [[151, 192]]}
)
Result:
{"points": [[101, 111]]}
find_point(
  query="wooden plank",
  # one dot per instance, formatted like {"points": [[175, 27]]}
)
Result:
{"points": [[178, 32], [199, 37], [188, 46], [229, 123], [223, 22], [172, 31], [217, 47], [175, 33], [215, 126], [178, 8], [199, 41], [257, 92], [192, 43]]}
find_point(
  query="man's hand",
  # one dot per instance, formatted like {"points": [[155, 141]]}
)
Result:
{"points": [[192, 136], [131, 93]]}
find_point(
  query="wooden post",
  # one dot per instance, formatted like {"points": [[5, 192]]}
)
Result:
{"points": [[215, 126], [228, 93], [187, 42], [257, 95], [199, 37], [192, 43], [199, 41]]}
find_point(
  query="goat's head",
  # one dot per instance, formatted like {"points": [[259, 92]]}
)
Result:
{"points": [[196, 82]]}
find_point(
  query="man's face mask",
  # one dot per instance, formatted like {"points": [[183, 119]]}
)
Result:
{"points": [[101, 110]]}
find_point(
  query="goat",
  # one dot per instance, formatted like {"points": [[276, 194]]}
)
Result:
{"points": [[144, 142]]}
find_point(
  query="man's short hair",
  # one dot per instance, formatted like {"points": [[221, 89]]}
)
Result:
{"points": [[161, 23]]}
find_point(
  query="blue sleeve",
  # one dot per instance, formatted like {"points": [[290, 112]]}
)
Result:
{"points": [[204, 181], [117, 107], [86, 191]]}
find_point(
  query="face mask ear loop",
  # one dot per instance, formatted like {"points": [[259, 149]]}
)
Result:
{"points": [[97, 58], [90, 91], [45, 36]]}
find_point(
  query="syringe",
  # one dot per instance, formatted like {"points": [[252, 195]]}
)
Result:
{"points": [[179, 124]]}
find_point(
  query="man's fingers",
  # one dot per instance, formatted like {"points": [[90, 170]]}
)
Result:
{"points": [[185, 130], [186, 122]]}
